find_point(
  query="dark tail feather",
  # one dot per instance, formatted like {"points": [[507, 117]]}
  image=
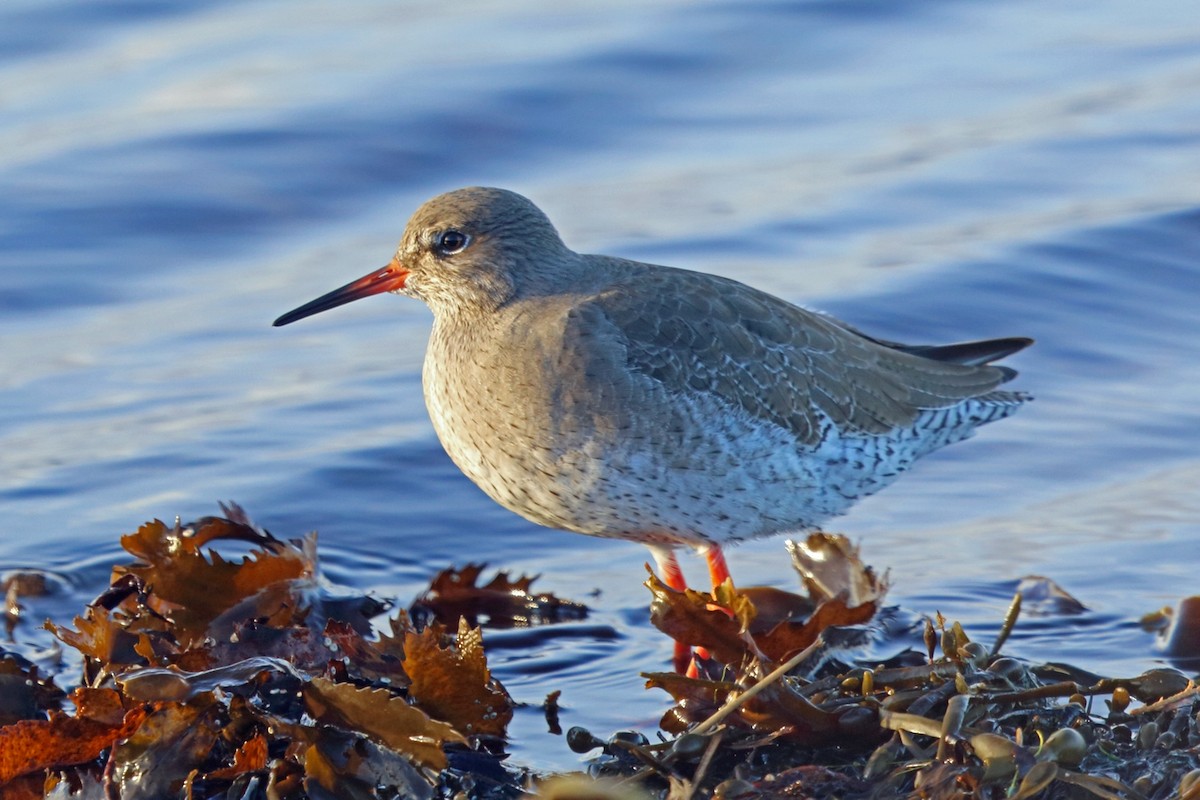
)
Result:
{"points": [[972, 354]]}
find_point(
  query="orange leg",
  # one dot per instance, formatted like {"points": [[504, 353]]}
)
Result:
{"points": [[672, 576], [718, 570], [718, 573], [668, 565]]}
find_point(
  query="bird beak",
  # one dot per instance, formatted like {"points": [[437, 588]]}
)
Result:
{"points": [[389, 279]]}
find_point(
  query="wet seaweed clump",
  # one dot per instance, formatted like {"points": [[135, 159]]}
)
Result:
{"points": [[773, 710], [206, 675]]}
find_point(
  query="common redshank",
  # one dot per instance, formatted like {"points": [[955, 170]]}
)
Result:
{"points": [[668, 407]]}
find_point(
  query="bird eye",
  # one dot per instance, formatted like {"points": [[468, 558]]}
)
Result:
{"points": [[451, 242]]}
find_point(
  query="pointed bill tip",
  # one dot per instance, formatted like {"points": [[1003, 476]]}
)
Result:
{"points": [[388, 279]]}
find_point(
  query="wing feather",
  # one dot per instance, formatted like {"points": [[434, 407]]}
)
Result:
{"points": [[694, 332]]}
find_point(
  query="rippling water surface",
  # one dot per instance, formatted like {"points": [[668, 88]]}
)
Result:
{"points": [[174, 176]]}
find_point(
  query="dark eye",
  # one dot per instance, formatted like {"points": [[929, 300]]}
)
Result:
{"points": [[451, 242]]}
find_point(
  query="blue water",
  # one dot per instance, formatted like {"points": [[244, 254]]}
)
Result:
{"points": [[174, 176]]}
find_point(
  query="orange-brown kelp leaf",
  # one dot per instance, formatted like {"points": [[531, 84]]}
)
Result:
{"points": [[735, 603], [689, 617], [454, 683], [500, 603], [695, 699], [193, 589], [338, 763], [99, 637], [400, 626], [788, 638], [154, 541], [303, 647], [303, 602], [382, 716], [829, 565], [238, 525], [173, 740], [695, 690], [250, 757], [58, 742], [773, 606], [100, 705], [369, 659], [160, 647]]}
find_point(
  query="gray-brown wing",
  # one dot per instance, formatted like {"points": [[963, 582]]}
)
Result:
{"points": [[702, 333]]}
